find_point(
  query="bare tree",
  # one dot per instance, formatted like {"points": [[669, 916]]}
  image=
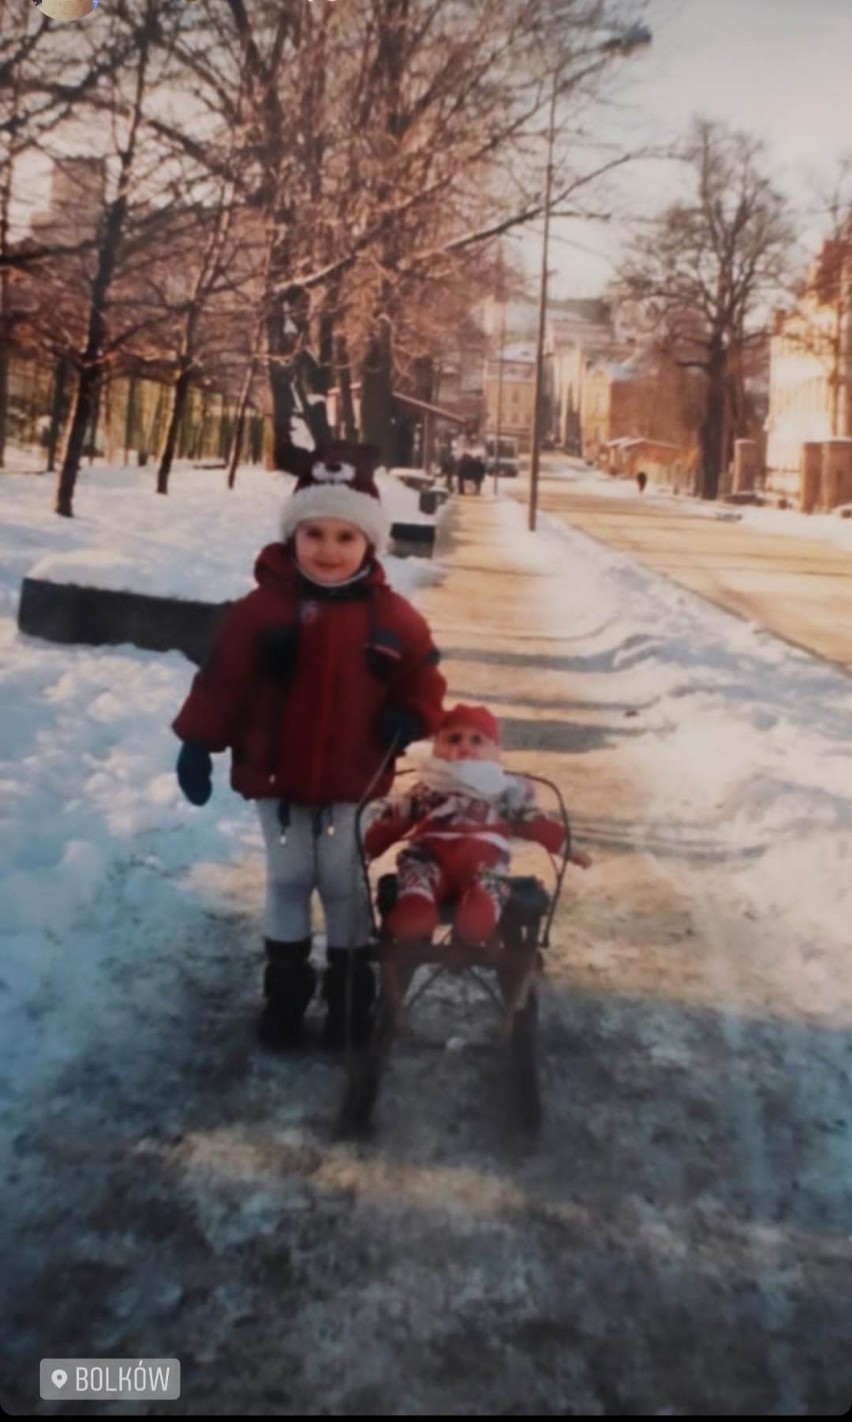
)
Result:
{"points": [[124, 100], [706, 270], [377, 135], [33, 102]]}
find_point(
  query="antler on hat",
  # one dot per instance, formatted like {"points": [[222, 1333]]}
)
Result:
{"points": [[338, 482]]}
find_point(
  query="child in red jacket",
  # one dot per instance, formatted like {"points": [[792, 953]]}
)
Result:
{"points": [[319, 678], [458, 820]]}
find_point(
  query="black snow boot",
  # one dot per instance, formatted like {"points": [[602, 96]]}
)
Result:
{"points": [[288, 986], [349, 994]]}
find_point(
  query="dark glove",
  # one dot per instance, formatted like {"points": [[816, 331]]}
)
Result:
{"points": [[195, 772], [397, 726]]}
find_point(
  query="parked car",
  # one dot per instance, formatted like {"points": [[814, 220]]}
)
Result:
{"points": [[506, 465]]}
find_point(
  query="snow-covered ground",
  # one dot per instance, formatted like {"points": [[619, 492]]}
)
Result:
{"points": [[89, 797], [430, 1276], [740, 733], [828, 527]]}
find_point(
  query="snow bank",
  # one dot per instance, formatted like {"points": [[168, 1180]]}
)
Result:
{"points": [[826, 527], [743, 739], [98, 848], [198, 542]]}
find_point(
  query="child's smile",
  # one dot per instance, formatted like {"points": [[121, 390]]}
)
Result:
{"points": [[329, 550]]}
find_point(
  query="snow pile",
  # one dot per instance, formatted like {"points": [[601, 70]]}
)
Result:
{"points": [[198, 542], [831, 527], [167, 1185], [94, 833], [743, 740]]}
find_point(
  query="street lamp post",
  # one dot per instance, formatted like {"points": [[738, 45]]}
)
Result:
{"points": [[535, 443], [636, 36], [500, 375]]}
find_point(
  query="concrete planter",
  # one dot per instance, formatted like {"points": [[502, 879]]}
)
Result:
{"points": [[65, 612], [413, 540]]}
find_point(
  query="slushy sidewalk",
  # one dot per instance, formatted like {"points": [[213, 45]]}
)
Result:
{"points": [[799, 588], [513, 635]]}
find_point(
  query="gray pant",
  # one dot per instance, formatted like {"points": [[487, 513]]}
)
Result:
{"points": [[308, 860]]}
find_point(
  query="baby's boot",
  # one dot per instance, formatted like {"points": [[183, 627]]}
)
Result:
{"points": [[349, 991], [288, 986], [413, 916], [476, 918]]}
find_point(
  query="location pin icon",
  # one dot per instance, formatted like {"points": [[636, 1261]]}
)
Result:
{"points": [[59, 1377]]}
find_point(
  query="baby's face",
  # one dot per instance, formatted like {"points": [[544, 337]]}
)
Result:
{"points": [[329, 550], [465, 743]]}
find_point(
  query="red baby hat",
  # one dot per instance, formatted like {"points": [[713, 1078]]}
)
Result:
{"points": [[477, 718]]}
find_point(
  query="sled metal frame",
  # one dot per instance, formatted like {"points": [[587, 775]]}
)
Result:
{"points": [[513, 956]]}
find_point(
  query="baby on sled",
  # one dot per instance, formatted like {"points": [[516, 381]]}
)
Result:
{"points": [[457, 821]]}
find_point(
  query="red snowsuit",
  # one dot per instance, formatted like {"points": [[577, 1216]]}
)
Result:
{"points": [[458, 850], [299, 677]]}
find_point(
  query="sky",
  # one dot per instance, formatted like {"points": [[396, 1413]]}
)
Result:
{"points": [[780, 69]]}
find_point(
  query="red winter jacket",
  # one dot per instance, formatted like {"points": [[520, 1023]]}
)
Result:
{"points": [[298, 678]]}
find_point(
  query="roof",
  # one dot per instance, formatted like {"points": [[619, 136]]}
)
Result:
{"points": [[631, 441], [454, 417], [587, 308], [520, 352]]}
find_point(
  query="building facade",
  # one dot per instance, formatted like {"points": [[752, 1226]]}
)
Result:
{"points": [[510, 392], [810, 375]]}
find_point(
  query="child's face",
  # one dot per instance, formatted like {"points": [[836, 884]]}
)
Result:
{"points": [[464, 743], [329, 550]]}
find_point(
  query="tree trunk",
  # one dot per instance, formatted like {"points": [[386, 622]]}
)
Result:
{"points": [[280, 389], [129, 417], [344, 385], [5, 314], [203, 421], [181, 391], [283, 409], [113, 228], [93, 428], [836, 376], [84, 404], [88, 378], [377, 404], [326, 345], [4, 371], [57, 410], [712, 431], [240, 422]]}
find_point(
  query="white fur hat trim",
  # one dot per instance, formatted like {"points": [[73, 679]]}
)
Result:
{"points": [[338, 500]]}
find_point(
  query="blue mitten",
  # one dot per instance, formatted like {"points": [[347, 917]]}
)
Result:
{"points": [[195, 772], [397, 726]]}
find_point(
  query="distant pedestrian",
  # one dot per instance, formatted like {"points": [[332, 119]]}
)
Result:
{"points": [[447, 466], [465, 471], [641, 480], [477, 472]]}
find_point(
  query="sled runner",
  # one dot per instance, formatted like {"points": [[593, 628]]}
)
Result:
{"points": [[507, 968]]}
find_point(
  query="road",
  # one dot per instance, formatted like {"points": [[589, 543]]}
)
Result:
{"points": [[798, 588]]}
